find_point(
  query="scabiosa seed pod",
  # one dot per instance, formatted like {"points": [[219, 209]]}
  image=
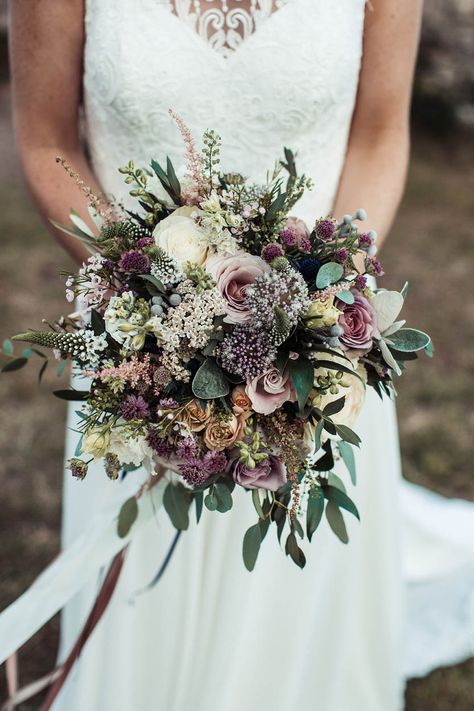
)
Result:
{"points": [[112, 466], [78, 468], [135, 262], [271, 251], [325, 229]]}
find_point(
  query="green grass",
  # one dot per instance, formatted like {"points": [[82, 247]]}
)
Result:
{"points": [[432, 245]]}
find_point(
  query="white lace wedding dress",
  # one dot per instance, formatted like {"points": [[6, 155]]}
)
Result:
{"points": [[212, 637]]}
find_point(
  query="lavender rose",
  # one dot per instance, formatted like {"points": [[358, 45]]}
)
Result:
{"points": [[233, 275], [269, 474], [359, 323], [268, 391]]}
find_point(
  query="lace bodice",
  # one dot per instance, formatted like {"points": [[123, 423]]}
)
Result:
{"points": [[263, 73]]}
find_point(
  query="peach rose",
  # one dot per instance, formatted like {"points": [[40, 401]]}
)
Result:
{"points": [[241, 402], [195, 416], [222, 433]]}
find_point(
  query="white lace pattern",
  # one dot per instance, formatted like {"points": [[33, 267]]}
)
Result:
{"points": [[224, 24]]}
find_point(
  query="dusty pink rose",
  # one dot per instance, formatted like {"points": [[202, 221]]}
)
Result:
{"points": [[298, 227], [359, 323], [233, 275], [269, 474], [268, 391]]}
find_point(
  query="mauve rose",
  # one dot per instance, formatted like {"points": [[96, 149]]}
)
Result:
{"points": [[268, 391], [269, 474], [233, 275], [299, 227], [359, 323]]}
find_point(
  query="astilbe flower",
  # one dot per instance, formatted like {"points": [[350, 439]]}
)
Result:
{"points": [[134, 371], [134, 407], [247, 351], [135, 262]]}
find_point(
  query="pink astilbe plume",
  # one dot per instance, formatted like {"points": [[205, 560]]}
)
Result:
{"points": [[194, 164], [134, 371]]}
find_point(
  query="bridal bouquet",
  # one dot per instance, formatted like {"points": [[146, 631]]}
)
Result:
{"points": [[223, 340]]}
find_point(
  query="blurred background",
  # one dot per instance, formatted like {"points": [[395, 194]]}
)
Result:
{"points": [[431, 245]]}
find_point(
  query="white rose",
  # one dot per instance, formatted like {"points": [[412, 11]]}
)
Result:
{"points": [[130, 447], [181, 237], [95, 441]]}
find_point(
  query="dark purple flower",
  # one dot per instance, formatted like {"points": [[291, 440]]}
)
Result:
{"points": [[193, 472], [360, 282], [159, 445], [144, 242], [187, 449], [305, 245], [289, 237], [214, 462], [308, 267], [135, 262], [325, 229], [269, 474], [341, 256], [134, 407], [271, 252], [167, 403], [373, 266], [365, 240]]}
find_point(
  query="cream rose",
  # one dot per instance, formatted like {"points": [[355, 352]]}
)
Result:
{"points": [[181, 237], [95, 442]]}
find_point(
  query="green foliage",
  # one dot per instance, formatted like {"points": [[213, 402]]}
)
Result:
{"points": [[209, 383], [127, 516], [409, 340], [294, 551], [251, 546], [314, 511], [177, 500], [330, 273], [302, 375], [347, 454]]}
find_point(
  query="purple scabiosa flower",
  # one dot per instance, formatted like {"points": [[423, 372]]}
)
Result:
{"points": [[360, 282], [134, 407], [214, 462], [325, 229], [247, 352], [144, 242], [305, 245], [308, 268], [159, 445], [341, 256], [135, 262], [193, 472], [167, 403], [289, 237], [271, 252], [187, 449], [365, 240], [373, 266]]}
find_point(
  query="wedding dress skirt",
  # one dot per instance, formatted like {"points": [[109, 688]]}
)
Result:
{"points": [[398, 600]]}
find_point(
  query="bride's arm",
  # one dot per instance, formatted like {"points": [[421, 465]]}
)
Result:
{"points": [[377, 157], [46, 41]]}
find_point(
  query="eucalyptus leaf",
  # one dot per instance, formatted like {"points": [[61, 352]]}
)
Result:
{"points": [[348, 457], [279, 516], [71, 395], [127, 516], [209, 383], [199, 501], [335, 406], [42, 370], [328, 274], [223, 497], [348, 435], [294, 551], [210, 502], [339, 498], [8, 347], [14, 365], [335, 480], [302, 375], [251, 546], [314, 512], [346, 296], [336, 521], [176, 501], [257, 504]]}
